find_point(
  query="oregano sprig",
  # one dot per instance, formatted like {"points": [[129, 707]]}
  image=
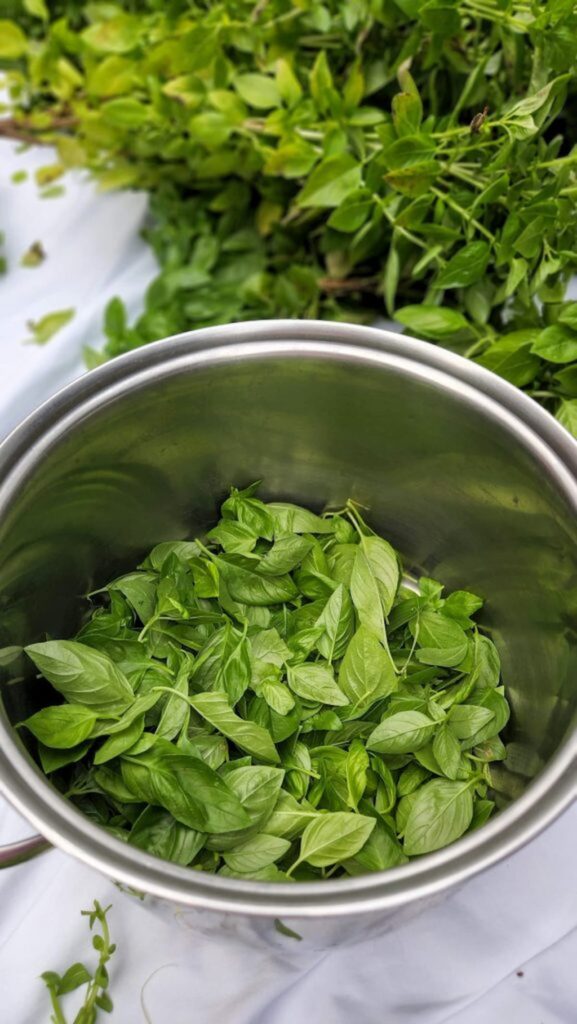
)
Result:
{"points": [[96, 996]]}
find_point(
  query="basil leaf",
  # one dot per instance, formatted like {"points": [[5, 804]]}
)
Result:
{"points": [[62, 726], [335, 837], [250, 511], [250, 588], [257, 852], [234, 538], [214, 707], [258, 788], [139, 588], [52, 759], [380, 851], [234, 673], [181, 549], [175, 712], [277, 696], [444, 657], [316, 682], [285, 554], [337, 624], [366, 596], [447, 751], [159, 834], [186, 787], [340, 561], [289, 817], [120, 742], [366, 673], [289, 518], [82, 675], [434, 629], [267, 645], [210, 747], [465, 720], [441, 813], [401, 733], [356, 765], [384, 564]]}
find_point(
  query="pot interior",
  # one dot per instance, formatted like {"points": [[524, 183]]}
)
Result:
{"points": [[466, 495]]}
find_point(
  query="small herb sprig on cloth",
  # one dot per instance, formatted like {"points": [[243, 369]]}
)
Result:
{"points": [[273, 701], [96, 996]]}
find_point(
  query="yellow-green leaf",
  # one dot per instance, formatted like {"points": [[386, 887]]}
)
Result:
{"points": [[45, 328], [13, 42], [331, 182], [117, 35], [258, 91]]}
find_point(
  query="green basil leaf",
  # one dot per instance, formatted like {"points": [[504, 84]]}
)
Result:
{"points": [[384, 564], [284, 556], [250, 588], [289, 817], [366, 673], [444, 657], [337, 623], [82, 675], [186, 787], [159, 834], [234, 538], [441, 813], [366, 597], [62, 726], [447, 751], [335, 837], [120, 742], [380, 852], [316, 682], [139, 589], [289, 518], [257, 852], [465, 720], [356, 766], [268, 646], [249, 736], [401, 733], [175, 711]]}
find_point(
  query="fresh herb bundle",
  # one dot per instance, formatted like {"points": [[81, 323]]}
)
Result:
{"points": [[274, 702], [339, 160]]}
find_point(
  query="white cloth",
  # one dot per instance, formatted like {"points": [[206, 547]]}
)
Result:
{"points": [[456, 963]]}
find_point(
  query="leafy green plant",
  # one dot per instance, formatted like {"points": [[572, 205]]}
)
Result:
{"points": [[327, 159], [96, 996], [273, 701]]}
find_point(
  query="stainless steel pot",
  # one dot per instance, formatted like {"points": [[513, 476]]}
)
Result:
{"points": [[468, 477]]}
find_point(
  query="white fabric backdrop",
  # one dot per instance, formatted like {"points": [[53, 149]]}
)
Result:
{"points": [[457, 963]]}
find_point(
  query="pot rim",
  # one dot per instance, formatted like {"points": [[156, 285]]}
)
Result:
{"points": [[546, 796]]}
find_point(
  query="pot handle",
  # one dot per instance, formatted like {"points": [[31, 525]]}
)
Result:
{"points": [[16, 853]]}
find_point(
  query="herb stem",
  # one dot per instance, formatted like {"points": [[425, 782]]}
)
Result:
{"points": [[464, 214], [402, 231]]}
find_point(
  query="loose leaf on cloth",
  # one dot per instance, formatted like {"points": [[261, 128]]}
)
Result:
{"points": [[269, 701]]}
